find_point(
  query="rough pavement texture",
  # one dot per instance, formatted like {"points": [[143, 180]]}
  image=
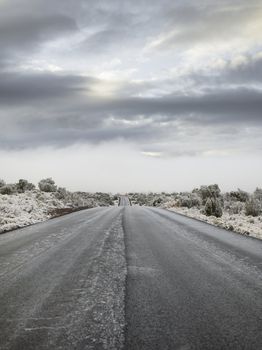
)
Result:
{"points": [[129, 277]]}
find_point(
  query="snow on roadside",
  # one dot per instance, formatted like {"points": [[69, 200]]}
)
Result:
{"points": [[240, 223], [19, 210]]}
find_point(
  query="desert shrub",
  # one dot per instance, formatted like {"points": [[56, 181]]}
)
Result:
{"points": [[2, 183], [157, 202], [104, 199], [234, 207], [8, 189], [188, 200], [253, 207], [213, 207], [23, 185], [239, 195], [47, 185], [206, 192], [61, 193], [82, 199], [258, 194]]}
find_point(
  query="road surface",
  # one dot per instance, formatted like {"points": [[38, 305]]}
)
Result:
{"points": [[129, 278], [124, 201]]}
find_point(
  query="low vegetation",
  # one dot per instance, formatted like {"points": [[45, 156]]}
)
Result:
{"points": [[22, 203], [235, 210]]}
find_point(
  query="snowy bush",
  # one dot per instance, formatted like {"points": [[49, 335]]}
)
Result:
{"points": [[2, 183], [188, 200], [253, 207], [237, 196], [23, 185], [47, 185], [8, 189], [61, 193], [234, 207], [258, 194], [206, 192], [104, 199], [213, 207], [157, 202]]}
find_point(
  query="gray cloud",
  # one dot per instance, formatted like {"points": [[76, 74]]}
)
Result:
{"points": [[23, 88], [62, 109], [55, 111], [21, 35], [190, 24]]}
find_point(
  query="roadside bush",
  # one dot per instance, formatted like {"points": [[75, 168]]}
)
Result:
{"points": [[189, 200], [61, 193], [8, 189], [103, 199], [239, 195], [23, 185], [234, 207], [258, 194], [213, 207], [157, 202], [206, 192], [2, 183], [47, 185], [253, 207]]}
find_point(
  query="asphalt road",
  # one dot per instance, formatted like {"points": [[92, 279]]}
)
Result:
{"points": [[124, 201], [132, 278]]}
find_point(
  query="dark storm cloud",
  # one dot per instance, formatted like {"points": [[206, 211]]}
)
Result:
{"points": [[232, 105], [250, 72], [23, 88], [61, 109], [96, 119]]}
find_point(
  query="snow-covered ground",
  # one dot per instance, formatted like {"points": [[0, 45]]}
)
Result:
{"points": [[240, 223], [22, 209]]}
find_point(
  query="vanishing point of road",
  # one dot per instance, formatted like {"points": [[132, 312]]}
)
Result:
{"points": [[129, 277]]}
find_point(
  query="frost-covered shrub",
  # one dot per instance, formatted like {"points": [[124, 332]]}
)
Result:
{"points": [[2, 183], [188, 200], [23, 185], [253, 207], [258, 194], [157, 202], [239, 195], [8, 189], [104, 199], [61, 193], [205, 192], [47, 185], [213, 207], [234, 207]]}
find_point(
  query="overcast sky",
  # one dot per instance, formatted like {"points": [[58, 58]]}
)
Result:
{"points": [[131, 95]]}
